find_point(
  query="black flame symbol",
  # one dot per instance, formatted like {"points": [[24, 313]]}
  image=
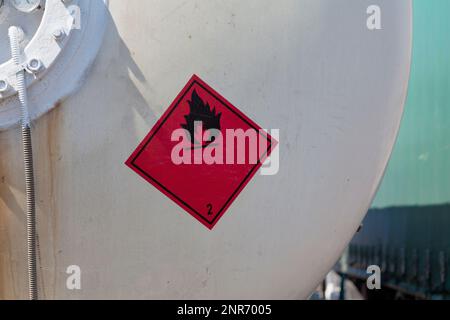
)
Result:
{"points": [[201, 112]]}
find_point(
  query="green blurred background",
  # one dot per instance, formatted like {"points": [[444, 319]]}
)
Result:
{"points": [[407, 231], [419, 170]]}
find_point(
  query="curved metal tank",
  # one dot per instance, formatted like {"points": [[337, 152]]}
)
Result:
{"points": [[310, 68]]}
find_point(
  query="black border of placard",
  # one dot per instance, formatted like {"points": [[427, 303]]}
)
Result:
{"points": [[247, 177]]}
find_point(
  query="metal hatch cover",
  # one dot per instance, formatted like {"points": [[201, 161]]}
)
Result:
{"points": [[59, 49]]}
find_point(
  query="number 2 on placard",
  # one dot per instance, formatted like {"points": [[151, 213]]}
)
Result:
{"points": [[209, 206]]}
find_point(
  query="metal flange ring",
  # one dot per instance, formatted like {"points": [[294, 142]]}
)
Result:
{"points": [[56, 58]]}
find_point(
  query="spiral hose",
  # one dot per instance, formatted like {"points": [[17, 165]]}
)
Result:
{"points": [[14, 36]]}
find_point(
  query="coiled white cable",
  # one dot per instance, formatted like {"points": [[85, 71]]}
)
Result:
{"points": [[14, 36]]}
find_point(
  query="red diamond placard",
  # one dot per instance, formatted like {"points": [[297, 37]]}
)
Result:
{"points": [[197, 130]]}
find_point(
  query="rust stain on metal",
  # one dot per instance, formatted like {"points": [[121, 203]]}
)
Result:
{"points": [[47, 156], [11, 215], [51, 130]]}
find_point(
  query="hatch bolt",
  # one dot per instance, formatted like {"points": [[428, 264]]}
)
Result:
{"points": [[58, 34], [4, 86], [34, 65]]}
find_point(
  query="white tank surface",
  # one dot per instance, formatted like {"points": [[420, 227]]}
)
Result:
{"points": [[311, 68]]}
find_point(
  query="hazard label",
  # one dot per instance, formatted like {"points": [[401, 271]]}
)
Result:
{"points": [[202, 152]]}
